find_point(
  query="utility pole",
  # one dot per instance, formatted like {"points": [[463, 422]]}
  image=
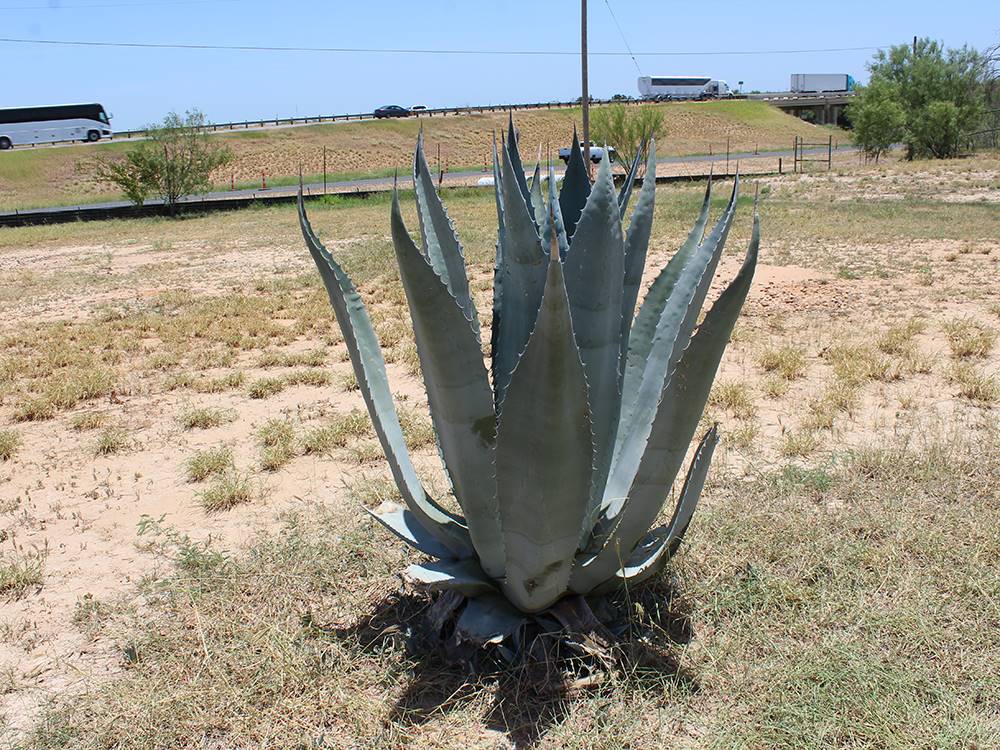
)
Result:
{"points": [[914, 45], [585, 97]]}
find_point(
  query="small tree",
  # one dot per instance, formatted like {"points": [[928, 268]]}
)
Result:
{"points": [[626, 127], [176, 159], [878, 117]]}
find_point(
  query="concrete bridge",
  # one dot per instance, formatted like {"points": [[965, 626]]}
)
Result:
{"points": [[820, 108]]}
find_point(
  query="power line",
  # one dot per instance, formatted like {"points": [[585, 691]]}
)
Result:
{"points": [[413, 51], [622, 34], [60, 6]]}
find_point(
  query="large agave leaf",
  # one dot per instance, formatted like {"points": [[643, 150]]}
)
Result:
{"points": [[636, 246], [535, 198], [458, 393], [405, 525], [517, 165], [522, 275], [681, 406], [551, 226], [369, 368], [673, 329], [498, 264], [652, 554], [575, 188], [544, 456], [640, 339], [441, 245], [625, 194], [462, 576], [594, 269]]}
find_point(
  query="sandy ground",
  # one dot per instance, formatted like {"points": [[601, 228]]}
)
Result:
{"points": [[82, 513]]}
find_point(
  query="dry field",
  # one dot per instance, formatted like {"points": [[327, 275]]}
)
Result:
{"points": [[184, 453], [30, 178]]}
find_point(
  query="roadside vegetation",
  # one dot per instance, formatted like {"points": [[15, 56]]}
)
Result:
{"points": [[929, 98], [838, 589]]}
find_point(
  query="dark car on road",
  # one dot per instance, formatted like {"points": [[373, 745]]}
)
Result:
{"points": [[392, 110]]}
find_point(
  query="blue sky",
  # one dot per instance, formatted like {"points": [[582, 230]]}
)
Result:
{"points": [[141, 85]]}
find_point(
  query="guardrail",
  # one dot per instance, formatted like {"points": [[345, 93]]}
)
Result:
{"points": [[195, 205]]}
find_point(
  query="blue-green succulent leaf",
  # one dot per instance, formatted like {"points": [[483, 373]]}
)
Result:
{"points": [[405, 525], [673, 329], [636, 246], [369, 368], [536, 201], [640, 339], [522, 275], [544, 456], [575, 188], [488, 619], [652, 554], [458, 393], [625, 194], [498, 264], [513, 148], [681, 405], [461, 576], [440, 242], [594, 270], [552, 218]]}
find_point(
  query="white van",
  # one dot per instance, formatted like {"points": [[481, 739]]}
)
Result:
{"points": [[23, 126]]}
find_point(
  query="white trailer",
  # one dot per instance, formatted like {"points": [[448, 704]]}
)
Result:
{"points": [[24, 126], [683, 87], [808, 83]]}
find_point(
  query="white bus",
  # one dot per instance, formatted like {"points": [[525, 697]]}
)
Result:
{"points": [[683, 87], [23, 126]]}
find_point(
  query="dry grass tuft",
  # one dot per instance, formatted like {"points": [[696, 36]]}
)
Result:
{"points": [[898, 339], [855, 364], [314, 376], [974, 384], [205, 417], [19, 572], [207, 463], [788, 361], [735, 397], [969, 338], [265, 387], [278, 444], [10, 441], [112, 441], [88, 420], [230, 489], [799, 443]]}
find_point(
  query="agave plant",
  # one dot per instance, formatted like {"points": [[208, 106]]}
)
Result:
{"points": [[562, 454]]}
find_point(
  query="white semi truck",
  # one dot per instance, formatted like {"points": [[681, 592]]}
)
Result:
{"points": [[812, 83], [683, 87]]}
